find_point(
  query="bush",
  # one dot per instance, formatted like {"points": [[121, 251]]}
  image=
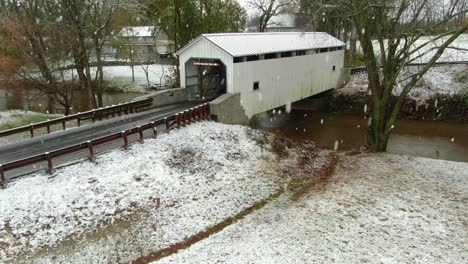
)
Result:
{"points": [[280, 148], [358, 60], [462, 76]]}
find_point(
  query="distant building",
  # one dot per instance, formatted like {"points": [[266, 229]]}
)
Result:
{"points": [[144, 43], [283, 23]]}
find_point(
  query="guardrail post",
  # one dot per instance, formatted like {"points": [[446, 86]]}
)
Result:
{"points": [[3, 178], [48, 129], [140, 132], [208, 114], [194, 114], [177, 116], [190, 112], [91, 150], [186, 117], [204, 114], [31, 130], [63, 124], [78, 121], [155, 130], [50, 167], [125, 138], [168, 127], [182, 118], [94, 116], [198, 113]]}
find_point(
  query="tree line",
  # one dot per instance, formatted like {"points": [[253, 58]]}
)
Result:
{"points": [[41, 41]]}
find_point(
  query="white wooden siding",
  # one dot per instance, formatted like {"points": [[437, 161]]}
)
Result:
{"points": [[285, 80]]}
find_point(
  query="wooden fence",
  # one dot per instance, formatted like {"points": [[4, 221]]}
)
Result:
{"points": [[95, 114], [196, 114]]}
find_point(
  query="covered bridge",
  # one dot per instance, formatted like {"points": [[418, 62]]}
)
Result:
{"points": [[256, 72]]}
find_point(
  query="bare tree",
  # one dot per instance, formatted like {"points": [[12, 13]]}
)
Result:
{"points": [[267, 9], [100, 14], [393, 34], [33, 30]]}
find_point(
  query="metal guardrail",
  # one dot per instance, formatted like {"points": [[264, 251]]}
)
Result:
{"points": [[199, 113], [95, 114], [363, 69]]}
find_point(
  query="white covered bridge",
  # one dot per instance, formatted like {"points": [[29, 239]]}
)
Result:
{"points": [[256, 72]]}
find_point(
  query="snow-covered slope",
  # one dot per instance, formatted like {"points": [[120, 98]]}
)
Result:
{"points": [[376, 209], [89, 212]]}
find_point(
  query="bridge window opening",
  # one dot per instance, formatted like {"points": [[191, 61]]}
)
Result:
{"points": [[270, 56], [323, 50], [205, 78], [301, 52], [253, 58], [256, 86], [238, 59], [334, 67], [286, 54]]}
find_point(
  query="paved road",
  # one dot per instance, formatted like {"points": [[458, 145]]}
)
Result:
{"points": [[72, 136]]}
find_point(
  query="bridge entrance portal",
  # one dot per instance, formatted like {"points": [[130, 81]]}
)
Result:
{"points": [[207, 76]]}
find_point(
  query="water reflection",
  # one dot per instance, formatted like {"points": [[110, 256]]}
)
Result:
{"points": [[29, 99]]}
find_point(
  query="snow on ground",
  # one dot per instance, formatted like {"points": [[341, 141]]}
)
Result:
{"points": [[438, 80], [376, 209], [121, 76], [105, 212], [457, 51], [13, 116]]}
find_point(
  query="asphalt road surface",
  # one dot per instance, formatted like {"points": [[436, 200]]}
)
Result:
{"points": [[72, 136]]}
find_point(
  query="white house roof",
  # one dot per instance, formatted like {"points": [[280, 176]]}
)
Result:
{"points": [[243, 44], [143, 31], [283, 20]]}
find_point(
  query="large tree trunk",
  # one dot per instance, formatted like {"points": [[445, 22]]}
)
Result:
{"points": [[352, 44]]}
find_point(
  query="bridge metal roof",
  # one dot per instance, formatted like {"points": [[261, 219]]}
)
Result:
{"points": [[244, 44]]}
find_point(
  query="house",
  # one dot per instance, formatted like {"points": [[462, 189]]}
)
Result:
{"points": [[143, 43], [283, 23], [262, 70]]}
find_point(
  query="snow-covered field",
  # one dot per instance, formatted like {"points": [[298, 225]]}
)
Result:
{"points": [[438, 80], [457, 51], [106, 212], [121, 76], [13, 116], [375, 209]]}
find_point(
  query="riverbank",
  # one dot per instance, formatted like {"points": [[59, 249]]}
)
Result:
{"points": [[376, 208], [442, 94]]}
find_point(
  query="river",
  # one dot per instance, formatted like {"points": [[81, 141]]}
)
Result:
{"points": [[432, 139]]}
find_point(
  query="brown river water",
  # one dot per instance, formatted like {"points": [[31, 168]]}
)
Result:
{"points": [[432, 139]]}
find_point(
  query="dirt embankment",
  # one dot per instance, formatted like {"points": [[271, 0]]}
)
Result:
{"points": [[453, 108]]}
